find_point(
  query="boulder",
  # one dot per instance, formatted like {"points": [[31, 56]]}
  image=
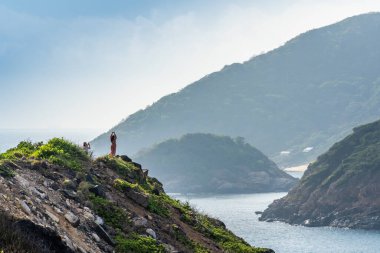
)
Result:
{"points": [[139, 221], [72, 219], [139, 198], [151, 233]]}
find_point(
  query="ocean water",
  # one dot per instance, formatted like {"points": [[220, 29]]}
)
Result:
{"points": [[238, 213]]}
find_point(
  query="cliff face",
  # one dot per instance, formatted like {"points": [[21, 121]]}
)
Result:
{"points": [[206, 163], [340, 189], [55, 198]]}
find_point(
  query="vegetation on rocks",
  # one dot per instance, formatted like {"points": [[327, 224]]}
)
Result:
{"points": [[339, 189], [67, 199]]}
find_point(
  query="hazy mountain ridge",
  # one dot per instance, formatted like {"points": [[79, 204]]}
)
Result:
{"points": [[340, 189], [308, 93], [206, 163]]}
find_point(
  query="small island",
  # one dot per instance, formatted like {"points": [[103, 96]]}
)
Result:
{"points": [[207, 163]]}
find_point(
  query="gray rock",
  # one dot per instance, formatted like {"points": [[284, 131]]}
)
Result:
{"points": [[22, 181], [103, 234], [72, 219], [25, 207], [69, 243], [169, 248], [139, 221], [98, 190], [52, 216], [139, 198], [151, 232], [96, 237]]}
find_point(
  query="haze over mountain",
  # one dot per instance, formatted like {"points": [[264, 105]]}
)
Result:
{"points": [[299, 98], [207, 163], [340, 189]]}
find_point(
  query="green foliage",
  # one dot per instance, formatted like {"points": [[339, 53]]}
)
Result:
{"points": [[62, 152], [5, 170], [225, 238], [123, 168], [57, 151], [23, 149], [130, 172], [138, 244], [238, 247], [355, 156], [123, 185], [112, 215], [158, 206]]}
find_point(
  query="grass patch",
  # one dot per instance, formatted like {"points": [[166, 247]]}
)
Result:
{"points": [[23, 149], [124, 169], [225, 238], [56, 151], [5, 171], [112, 214], [135, 243], [62, 152], [158, 206]]}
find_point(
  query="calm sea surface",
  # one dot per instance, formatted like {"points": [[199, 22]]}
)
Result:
{"points": [[238, 213]]}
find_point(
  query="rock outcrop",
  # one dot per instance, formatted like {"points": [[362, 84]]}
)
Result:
{"points": [[55, 198], [340, 189]]}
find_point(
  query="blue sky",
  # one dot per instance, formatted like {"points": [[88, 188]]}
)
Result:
{"points": [[90, 63]]}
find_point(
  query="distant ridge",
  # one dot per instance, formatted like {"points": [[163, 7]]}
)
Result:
{"points": [[308, 93]]}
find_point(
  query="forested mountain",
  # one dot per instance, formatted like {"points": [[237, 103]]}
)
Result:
{"points": [[213, 164], [299, 98]]}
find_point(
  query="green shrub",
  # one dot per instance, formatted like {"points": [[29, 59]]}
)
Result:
{"points": [[225, 238], [123, 168], [112, 214], [5, 171], [62, 152], [123, 185], [138, 244], [238, 247], [158, 206], [24, 148]]}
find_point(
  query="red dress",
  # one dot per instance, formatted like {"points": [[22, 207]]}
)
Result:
{"points": [[113, 145]]}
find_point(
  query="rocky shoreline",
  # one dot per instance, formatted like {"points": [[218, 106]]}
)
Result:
{"points": [[340, 189]]}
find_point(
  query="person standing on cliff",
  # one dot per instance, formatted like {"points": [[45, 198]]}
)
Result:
{"points": [[113, 138]]}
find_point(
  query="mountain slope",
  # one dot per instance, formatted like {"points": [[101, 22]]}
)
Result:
{"points": [[55, 198], [308, 93], [213, 164], [340, 189]]}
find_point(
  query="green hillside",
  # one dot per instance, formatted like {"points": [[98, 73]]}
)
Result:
{"points": [[55, 198], [213, 164], [340, 189], [308, 93]]}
